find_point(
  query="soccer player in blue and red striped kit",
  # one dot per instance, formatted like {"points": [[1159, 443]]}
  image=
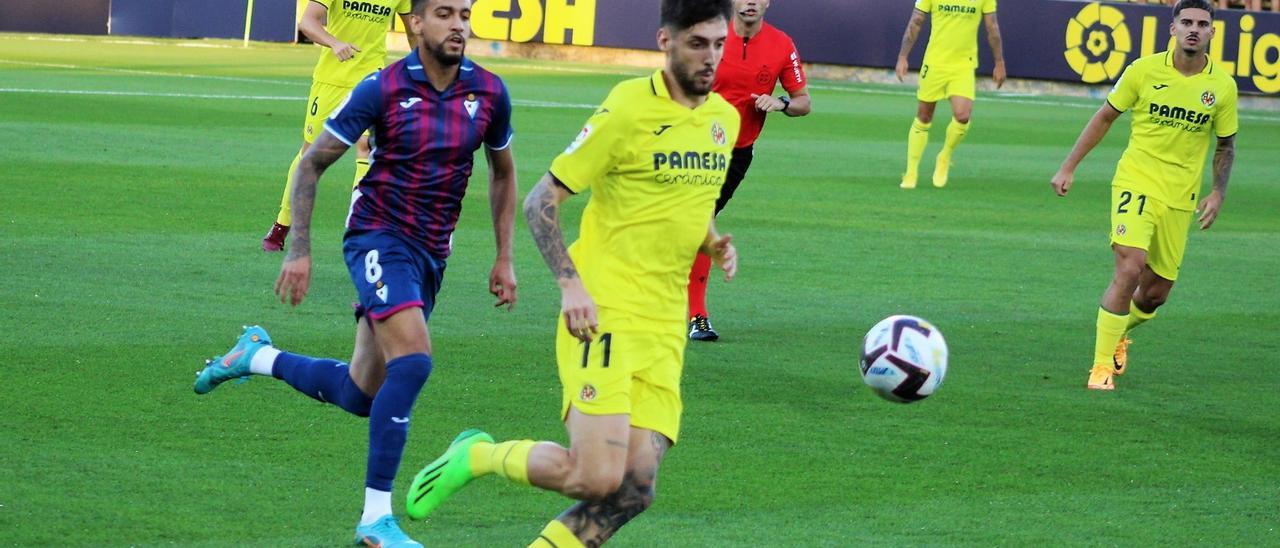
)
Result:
{"points": [[429, 113]]}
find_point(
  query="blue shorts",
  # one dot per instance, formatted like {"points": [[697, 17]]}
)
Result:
{"points": [[391, 273]]}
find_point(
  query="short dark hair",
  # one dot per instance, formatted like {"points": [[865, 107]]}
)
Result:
{"points": [[1193, 5], [681, 14]]}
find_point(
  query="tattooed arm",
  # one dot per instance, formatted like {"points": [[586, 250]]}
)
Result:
{"points": [[909, 41], [997, 48], [542, 211], [1223, 159], [295, 274]]}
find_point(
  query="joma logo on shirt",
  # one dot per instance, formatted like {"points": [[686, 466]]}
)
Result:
{"points": [[689, 160], [1180, 114], [366, 7], [962, 10]]}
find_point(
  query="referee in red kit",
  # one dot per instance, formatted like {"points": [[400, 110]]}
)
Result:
{"points": [[757, 56]]}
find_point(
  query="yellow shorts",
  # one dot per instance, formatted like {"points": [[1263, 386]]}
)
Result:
{"points": [[1140, 221], [938, 83], [633, 367], [320, 103]]}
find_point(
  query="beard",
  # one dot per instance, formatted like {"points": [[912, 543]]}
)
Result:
{"points": [[687, 79], [1195, 50], [442, 56]]}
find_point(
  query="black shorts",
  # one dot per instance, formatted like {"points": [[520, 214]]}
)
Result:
{"points": [[738, 166]]}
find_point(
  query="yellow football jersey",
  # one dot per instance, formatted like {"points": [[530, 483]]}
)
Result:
{"points": [[363, 24], [654, 168], [953, 31], [1172, 118]]}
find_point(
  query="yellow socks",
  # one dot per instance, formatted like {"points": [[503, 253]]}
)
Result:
{"points": [[955, 133], [917, 140], [556, 535], [286, 215], [509, 459], [1137, 316], [1111, 328], [362, 168]]}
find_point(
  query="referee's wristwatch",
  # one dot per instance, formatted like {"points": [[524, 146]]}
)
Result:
{"points": [[786, 103]]}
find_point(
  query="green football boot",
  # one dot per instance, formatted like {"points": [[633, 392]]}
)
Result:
{"points": [[444, 476]]}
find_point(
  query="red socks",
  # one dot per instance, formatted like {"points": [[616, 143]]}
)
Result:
{"points": [[698, 285]]}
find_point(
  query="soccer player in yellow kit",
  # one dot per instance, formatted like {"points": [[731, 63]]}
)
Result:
{"points": [[1178, 98], [356, 34], [947, 73], [654, 157]]}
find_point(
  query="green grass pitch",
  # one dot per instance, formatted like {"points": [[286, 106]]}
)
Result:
{"points": [[138, 176]]}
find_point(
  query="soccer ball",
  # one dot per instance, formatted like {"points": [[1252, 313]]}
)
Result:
{"points": [[904, 359]]}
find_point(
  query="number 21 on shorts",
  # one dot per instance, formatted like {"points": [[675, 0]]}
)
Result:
{"points": [[1126, 197]]}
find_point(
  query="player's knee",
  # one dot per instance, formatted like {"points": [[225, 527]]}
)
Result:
{"points": [[639, 493], [413, 369], [924, 112], [593, 483], [961, 116], [1152, 298]]}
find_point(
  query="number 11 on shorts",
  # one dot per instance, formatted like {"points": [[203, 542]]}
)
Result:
{"points": [[606, 342]]}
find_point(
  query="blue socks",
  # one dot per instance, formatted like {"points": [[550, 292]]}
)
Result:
{"points": [[328, 381], [324, 380], [389, 417]]}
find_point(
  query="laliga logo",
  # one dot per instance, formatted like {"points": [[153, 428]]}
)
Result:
{"points": [[1098, 43]]}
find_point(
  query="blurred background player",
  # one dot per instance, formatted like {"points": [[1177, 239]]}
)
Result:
{"points": [[947, 73], [1179, 98], [757, 56], [398, 238], [653, 156], [356, 35]]}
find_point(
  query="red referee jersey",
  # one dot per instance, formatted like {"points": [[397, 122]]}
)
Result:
{"points": [[756, 65]]}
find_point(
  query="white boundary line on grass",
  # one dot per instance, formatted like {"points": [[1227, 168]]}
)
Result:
{"points": [[1010, 98], [129, 42], [217, 96], [1016, 98], [300, 83]]}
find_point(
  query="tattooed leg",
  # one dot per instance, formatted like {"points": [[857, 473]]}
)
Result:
{"points": [[596, 521]]}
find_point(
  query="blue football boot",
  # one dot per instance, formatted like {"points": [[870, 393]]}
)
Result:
{"points": [[235, 363], [384, 533]]}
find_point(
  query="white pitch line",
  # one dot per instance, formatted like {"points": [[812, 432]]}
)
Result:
{"points": [[1020, 99], [217, 96], [1006, 98], [157, 73]]}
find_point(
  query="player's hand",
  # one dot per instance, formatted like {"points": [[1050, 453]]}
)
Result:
{"points": [[999, 75], [901, 69], [1209, 208], [344, 51], [502, 283], [768, 103], [725, 256], [1062, 182], [294, 280], [579, 309]]}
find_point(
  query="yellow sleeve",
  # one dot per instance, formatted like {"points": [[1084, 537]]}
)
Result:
{"points": [[596, 150], [989, 6], [1125, 93], [924, 5], [1228, 122], [328, 4], [405, 7]]}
